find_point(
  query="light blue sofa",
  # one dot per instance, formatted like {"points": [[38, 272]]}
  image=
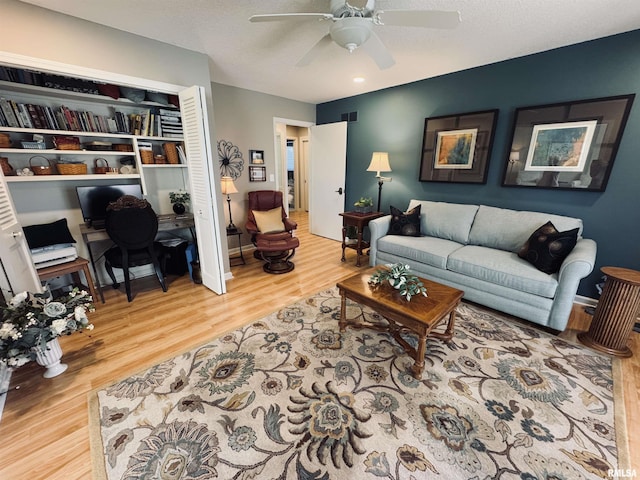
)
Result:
{"points": [[475, 248]]}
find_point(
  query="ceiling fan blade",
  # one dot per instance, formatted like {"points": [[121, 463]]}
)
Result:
{"points": [[311, 55], [276, 17], [378, 52], [420, 18]]}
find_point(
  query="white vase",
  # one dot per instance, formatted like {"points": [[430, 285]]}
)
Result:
{"points": [[49, 358]]}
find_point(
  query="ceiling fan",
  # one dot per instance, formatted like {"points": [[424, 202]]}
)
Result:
{"points": [[352, 26]]}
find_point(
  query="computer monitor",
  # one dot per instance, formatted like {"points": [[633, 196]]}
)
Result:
{"points": [[94, 200]]}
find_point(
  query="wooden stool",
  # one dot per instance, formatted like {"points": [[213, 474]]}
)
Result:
{"points": [[73, 268], [276, 250]]}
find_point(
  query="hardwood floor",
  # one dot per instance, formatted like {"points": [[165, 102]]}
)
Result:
{"points": [[44, 428]]}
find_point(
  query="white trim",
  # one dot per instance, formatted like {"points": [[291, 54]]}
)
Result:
{"points": [[586, 301], [40, 64]]}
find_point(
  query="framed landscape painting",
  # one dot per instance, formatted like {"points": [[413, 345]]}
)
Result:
{"points": [[569, 145], [456, 148]]}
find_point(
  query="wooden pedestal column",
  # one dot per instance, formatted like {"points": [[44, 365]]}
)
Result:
{"points": [[615, 314]]}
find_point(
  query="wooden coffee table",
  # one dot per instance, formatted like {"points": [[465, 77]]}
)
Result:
{"points": [[420, 316]]}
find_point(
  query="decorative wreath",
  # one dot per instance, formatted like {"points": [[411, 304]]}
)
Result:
{"points": [[231, 161]]}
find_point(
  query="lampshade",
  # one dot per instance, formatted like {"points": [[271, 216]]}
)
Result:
{"points": [[227, 185], [379, 163]]}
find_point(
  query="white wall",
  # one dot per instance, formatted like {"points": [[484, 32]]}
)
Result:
{"points": [[245, 118]]}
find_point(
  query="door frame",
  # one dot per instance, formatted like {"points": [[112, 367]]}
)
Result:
{"points": [[279, 144]]}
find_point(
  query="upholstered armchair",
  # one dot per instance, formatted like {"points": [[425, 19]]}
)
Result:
{"points": [[271, 231], [265, 201]]}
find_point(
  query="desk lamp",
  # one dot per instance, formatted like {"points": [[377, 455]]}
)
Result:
{"points": [[380, 163], [227, 188]]}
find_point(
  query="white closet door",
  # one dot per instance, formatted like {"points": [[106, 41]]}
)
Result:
{"points": [[200, 160], [17, 272]]}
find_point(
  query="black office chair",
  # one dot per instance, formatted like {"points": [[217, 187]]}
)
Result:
{"points": [[132, 225]]}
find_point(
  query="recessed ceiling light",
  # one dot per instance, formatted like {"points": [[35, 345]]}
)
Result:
{"points": [[358, 79]]}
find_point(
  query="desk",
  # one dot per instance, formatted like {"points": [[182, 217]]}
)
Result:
{"points": [[166, 223], [358, 220]]}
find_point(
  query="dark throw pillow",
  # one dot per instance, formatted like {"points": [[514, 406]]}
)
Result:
{"points": [[47, 234], [547, 248], [405, 224]]}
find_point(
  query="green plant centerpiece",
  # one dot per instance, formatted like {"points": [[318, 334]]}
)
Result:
{"points": [[364, 205], [398, 276], [179, 200]]}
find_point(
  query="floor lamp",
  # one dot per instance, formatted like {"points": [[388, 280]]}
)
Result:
{"points": [[227, 188], [380, 163]]}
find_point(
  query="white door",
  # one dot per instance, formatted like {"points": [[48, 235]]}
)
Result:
{"points": [[17, 272], [200, 160], [327, 170]]}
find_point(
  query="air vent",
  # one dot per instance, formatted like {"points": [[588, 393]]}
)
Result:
{"points": [[349, 117]]}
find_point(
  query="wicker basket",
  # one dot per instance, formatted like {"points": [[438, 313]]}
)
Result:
{"points": [[146, 156], [72, 168], [47, 169], [5, 140], [100, 169], [171, 153], [64, 142], [122, 147]]}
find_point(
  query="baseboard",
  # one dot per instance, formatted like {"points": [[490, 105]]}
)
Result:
{"points": [[586, 301]]}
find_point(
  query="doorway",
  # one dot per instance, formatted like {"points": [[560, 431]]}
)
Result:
{"points": [[292, 162]]}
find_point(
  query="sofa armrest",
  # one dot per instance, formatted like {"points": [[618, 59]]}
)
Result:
{"points": [[378, 228], [578, 264]]}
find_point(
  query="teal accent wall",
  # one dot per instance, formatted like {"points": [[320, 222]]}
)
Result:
{"points": [[392, 120]]}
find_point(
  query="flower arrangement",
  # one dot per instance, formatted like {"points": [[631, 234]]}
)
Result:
{"points": [[364, 202], [399, 278], [181, 196], [364, 205], [30, 320]]}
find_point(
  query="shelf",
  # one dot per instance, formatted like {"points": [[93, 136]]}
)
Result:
{"points": [[63, 178], [52, 151], [71, 95], [76, 133], [164, 165]]}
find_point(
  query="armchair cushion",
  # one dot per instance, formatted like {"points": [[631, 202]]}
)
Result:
{"points": [[269, 221]]}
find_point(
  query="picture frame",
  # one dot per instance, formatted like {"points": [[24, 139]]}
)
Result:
{"points": [[256, 157], [566, 146], [257, 174], [457, 148]]}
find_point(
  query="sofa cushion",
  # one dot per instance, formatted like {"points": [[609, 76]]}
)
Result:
{"points": [[451, 221], [502, 268], [547, 248], [406, 224], [428, 250], [509, 229]]}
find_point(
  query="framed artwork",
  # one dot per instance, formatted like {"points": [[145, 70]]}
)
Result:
{"points": [[257, 157], [568, 145], [456, 148], [257, 174]]}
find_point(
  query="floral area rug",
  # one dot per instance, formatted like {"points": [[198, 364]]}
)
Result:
{"points": [[290, 397]]}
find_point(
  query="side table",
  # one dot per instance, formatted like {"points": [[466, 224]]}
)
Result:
{"points": [[615, 314], [358, 220], [231, 233], [78, 265]]}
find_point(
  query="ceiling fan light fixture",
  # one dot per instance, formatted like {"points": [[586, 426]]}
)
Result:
{"points": [[350, 33]]}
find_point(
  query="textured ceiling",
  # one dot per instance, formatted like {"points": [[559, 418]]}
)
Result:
{"points": [[262, 56]]}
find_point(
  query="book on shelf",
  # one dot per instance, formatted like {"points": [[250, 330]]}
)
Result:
{"points": [[8, 113]]}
